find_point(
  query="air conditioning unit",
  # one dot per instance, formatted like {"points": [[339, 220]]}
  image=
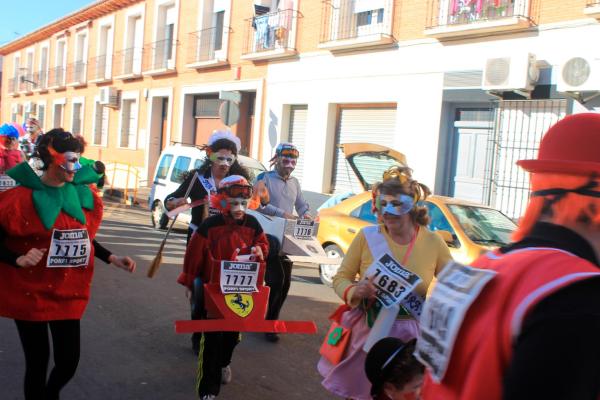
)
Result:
{"points": [[109, 96], [578, 74], [517, 72]]}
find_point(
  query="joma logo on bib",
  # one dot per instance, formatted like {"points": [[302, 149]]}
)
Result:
{"points": [[71, 235]]}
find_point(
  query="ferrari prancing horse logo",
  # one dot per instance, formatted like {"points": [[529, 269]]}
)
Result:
{"points": [[240, 303]]}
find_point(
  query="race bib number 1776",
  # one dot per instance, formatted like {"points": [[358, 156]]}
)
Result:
{"points": [[457, 288]]}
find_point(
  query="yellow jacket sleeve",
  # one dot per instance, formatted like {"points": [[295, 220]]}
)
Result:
{"points": [[350, 268]]}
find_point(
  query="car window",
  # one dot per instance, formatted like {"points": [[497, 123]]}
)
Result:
{"points": [[198, 163], [181, 165], [163, 168], [484, 225], [371, 166], [364, 213], [439, 222]]}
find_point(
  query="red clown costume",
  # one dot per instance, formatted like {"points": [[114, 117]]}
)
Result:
{"points": [[223, 236], [523, 322]]}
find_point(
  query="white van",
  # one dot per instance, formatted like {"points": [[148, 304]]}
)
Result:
{"points": [[174, 161]]}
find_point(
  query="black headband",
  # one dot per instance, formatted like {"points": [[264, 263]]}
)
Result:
{"points": [[584, 190]]}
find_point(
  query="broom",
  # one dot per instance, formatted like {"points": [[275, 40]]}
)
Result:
{"points": [[155, 265]]}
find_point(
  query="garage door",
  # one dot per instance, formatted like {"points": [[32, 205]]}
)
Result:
{"points": [[297, 136], [367, 125]]}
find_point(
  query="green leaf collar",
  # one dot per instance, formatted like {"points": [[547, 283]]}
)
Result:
{"points": [[49, 201]]}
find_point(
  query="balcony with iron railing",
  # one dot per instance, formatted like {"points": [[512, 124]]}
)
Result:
{"points": [[348, 24], [26, 83], [128, 63], [77, 73], [456, 18], [592, 8], [207, 48], [159, 57], [271, 35], [12, 86], [41, 80], [100, 69], [56, 78]]}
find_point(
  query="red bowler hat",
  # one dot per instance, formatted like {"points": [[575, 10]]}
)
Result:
{"points": [[571, 146]]}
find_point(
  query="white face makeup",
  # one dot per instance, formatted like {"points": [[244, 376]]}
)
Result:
{"points": [[238, 204], [223, 157], [71, 163]]}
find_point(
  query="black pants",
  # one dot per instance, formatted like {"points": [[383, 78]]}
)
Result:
{"points": [[216, 351], [278, 277], [66, 348]]}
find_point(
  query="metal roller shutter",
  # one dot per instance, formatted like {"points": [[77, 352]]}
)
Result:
{"points": [[360, 125], [297, 136]]}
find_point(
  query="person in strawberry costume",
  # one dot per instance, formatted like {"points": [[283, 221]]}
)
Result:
{"points": [[47, 228]]}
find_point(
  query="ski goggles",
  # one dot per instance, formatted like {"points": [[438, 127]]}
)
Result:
{"points": [[238, 204], [222, 158], [290, 152], [237, 191], [71, 161], [288, 161], [395, 205]]}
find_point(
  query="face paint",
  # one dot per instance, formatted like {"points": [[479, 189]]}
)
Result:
{"points": [[289, 162], [222, 157], [395, 205], [71, 162], [31, 129], [237, 204]]}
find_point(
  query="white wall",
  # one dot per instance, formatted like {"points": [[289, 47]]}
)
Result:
{"points": [[411, 76]]}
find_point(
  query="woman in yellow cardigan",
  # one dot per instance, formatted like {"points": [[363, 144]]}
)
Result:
{"points": [[416, 252]]}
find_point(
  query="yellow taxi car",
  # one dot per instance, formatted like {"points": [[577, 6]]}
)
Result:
{"points": [[468, 228]]}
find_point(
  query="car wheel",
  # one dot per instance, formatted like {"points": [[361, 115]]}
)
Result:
{"points": [[158, 216], [328, 271]]}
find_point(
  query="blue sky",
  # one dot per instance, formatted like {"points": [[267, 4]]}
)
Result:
{"points": [[24, 16]]}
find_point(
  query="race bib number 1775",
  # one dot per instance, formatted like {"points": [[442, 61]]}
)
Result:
{"points": [[69, 248]]}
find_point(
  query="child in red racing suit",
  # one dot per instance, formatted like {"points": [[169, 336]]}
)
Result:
{"points": [[221, 237]]}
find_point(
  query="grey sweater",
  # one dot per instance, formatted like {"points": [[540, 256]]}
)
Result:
{"points": [[284, 195]]}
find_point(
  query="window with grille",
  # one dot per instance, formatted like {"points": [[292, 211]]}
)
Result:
{"points": [[58, 116], [41, 115], [207, 106], [100, 125], [76, 119], [128, 124]]}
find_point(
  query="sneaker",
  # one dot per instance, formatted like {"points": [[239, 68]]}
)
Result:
{"points": [[226, 375], [208, 397], [272, 337]]}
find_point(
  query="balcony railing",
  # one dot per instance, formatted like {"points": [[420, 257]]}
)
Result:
{"points": [[41, 78], [160, 55], [76, 73], [128, 62], [207, 45], [56, 77], [448, 13], [12, 85], [26, 83], [352, 19], [272, 31], [99, 70]]}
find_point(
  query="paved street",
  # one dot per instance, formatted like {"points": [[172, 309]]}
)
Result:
{"points": [[130, 349]]}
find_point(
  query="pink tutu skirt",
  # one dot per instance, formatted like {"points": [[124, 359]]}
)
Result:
{"points": [[348, 379]]}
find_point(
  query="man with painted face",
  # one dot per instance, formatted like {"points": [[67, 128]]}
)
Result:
{"points": [[47, 249], [221, 161], [285, 194], [34, 134], [227, 235]]}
